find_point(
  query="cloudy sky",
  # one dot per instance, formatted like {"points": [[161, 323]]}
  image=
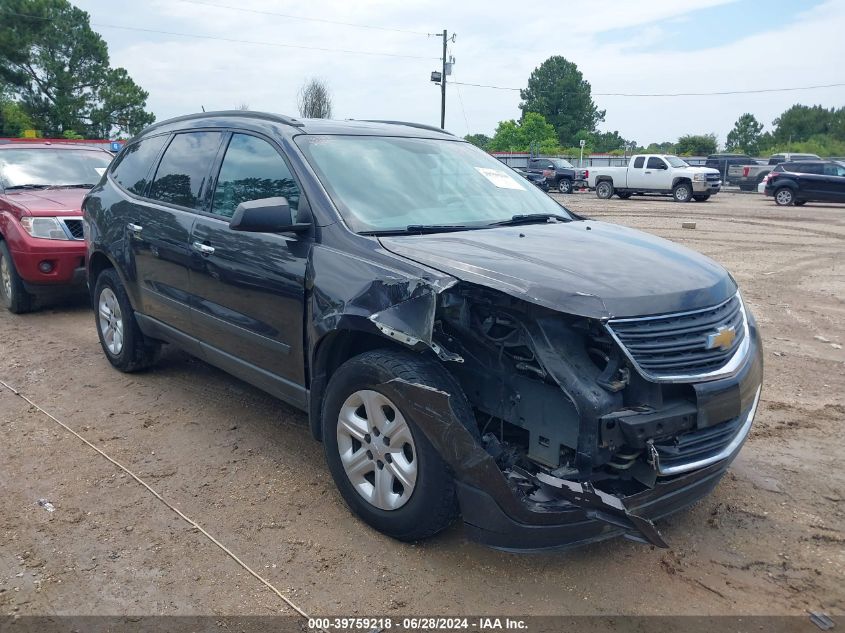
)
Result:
{"points": [[627, 46]]}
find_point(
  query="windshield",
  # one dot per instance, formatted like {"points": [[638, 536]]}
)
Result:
{"points": [[45, 167], [562, 164], [676, 162], [389, 183]]}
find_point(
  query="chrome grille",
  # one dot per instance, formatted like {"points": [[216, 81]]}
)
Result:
{"points": [[713, 177], [701, 444], [682, 344], [74, 227]]}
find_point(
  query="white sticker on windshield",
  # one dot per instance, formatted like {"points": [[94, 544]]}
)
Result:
{"points": [[100, 170], [499, 178]]}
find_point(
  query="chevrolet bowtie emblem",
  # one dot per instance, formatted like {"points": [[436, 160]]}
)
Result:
{"points": [[722, 338]]}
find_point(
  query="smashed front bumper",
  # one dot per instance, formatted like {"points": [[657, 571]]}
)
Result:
{"points": [[519, 510]]}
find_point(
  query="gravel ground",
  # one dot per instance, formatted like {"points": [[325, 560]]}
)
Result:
{"points": [[770, 540]]}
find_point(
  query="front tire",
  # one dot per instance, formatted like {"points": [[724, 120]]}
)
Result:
{"points": [[784, 197], [386, 470], [604, 190], [122, 341], [682, 192], [15, 297], [564, 185]]}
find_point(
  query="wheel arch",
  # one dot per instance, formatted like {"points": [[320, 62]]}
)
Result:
{"points": [[330, 352], [682, 179]]}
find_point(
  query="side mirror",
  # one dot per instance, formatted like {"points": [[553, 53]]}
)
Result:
{"points": [[266, 215]]}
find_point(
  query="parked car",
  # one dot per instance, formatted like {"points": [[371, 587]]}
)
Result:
{"points": [[561, 175], [748, 177], [42, 249], [461, 342], [721, 162], [536, 179], [806, 181], [656, 173]]}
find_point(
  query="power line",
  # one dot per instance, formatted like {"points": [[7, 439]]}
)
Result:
{"points": [[303, 18], [232, 40], [673, 94]]}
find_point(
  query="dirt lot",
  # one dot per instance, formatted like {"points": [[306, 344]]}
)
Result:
{"points": [[770, 540]]}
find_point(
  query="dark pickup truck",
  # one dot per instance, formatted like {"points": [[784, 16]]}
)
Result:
{"points": [[561, 175]]}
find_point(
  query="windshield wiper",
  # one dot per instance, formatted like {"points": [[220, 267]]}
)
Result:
{"points": [[419, 229], [530, 218], [86, 185], [26, 187]]}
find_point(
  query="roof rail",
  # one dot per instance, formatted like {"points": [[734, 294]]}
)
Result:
{"points": [[268, 116], [420, 126]]}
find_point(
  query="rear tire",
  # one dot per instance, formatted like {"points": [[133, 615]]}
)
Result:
{"points": [[357, 420], [682, 192], [15, 297], [604, 190], [564, 185], [122, 341], [784, 197]]}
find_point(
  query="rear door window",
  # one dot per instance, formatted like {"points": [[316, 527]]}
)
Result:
{"points": [[131, 169], [252, 169], [185, 168]]}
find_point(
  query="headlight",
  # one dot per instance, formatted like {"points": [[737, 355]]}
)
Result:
{"points": [[47, 228], [699, 177]]}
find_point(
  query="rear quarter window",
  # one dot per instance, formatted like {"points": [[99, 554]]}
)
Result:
{"points": [[130, 170], [638, 162]]}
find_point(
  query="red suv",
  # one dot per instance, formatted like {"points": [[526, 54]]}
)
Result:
{"points": [[42, 246]]}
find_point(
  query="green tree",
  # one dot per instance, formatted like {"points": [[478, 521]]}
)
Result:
{"points": [[603, 142], [533, 130], [558, 91], [58, 69], [13, 119], [745, 135], [697, 144], [801, 122], [664, 147], [479, 140]]}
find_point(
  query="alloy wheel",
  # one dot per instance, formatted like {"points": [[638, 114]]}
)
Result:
{"points": [[784, 197], [377, 449], [111, 321]]}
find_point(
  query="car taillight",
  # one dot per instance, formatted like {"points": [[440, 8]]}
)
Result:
{"points": [[745, 171], [586, 174]]}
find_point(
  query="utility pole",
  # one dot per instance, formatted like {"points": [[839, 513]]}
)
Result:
{"points": [[439, 76], [443, 87]]}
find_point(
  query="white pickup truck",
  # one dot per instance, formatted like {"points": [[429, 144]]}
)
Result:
{"points": [[656, 173]]}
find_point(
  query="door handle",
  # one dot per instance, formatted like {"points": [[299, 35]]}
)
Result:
{"points": [[205, 249], [135, 228], [647, 172]]}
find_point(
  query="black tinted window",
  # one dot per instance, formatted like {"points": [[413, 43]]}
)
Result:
{"points": [[803, 168], [656, 163], [252, 169], [134, 164], [184, 168], [638, 162]]}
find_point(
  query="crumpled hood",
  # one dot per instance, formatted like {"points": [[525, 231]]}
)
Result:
{"points": [[585, 268], [49, 201]]}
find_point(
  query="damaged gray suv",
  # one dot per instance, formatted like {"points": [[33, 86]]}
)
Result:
{"points": [[463, 345]]}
